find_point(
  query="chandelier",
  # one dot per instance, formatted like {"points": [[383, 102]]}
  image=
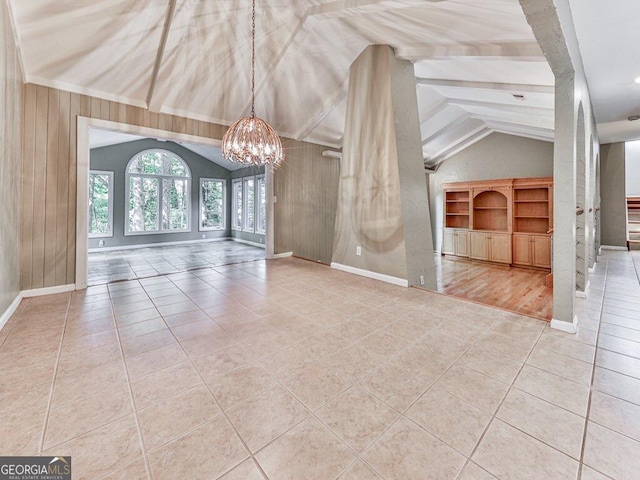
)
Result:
{"points": [[251, 140]]}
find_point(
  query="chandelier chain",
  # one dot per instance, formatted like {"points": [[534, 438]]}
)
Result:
{"points": [[253, 58]]}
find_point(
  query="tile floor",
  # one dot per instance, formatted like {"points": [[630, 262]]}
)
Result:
{"points": [[116, 265], [291, 370]]}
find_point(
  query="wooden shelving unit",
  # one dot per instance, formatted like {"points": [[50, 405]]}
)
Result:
{"points": [[457, 208]]}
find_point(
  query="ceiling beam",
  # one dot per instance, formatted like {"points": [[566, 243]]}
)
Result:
{"points": [[519, 128], [476, 132], [510, 87], [436, 109], [537, 123], [153, 104], [515, 51], [336, 99], [344, 8], [455, 123], [466, 143], [505, 107]]}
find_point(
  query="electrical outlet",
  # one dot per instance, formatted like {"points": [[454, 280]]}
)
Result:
{"points": [[101, 243], [422, 280], [358, 250], [204, 235]]}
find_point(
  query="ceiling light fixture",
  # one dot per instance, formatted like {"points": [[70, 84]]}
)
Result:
{"points": [[251, 140], [636, 80]]}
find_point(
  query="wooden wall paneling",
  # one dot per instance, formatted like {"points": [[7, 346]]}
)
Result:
{"points": [[28, 184], [96, 104], [39, 192], [179, 125], [113, 111], [146, 118], [85, 106], [51, 186], [105, 109], [74, 111], [203, 129], [122, 113], [191, 126], [165, 122], [62, 196], [153, 120]]}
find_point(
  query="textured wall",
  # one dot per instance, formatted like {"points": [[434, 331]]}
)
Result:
{"points": [[115, 158], [382, 203], [493, 157], [11, 94], [613, 207], [49, 175]]}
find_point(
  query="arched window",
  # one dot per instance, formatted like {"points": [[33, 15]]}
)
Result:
{"points": [[159, 193]]}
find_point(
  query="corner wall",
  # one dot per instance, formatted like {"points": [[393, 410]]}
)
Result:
{"points": [[11, 97], [495, 156], [613, 207]]}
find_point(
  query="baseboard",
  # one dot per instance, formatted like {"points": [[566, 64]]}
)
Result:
{"points": [[283, 255], [584, 294], [593, 269], [367, 273], [613, 247], [565, 326], [11, 309], [159, 244], [247, 242], [38, 292]]}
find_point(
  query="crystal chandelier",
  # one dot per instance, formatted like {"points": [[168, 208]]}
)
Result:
{"points": [[251, 140]]}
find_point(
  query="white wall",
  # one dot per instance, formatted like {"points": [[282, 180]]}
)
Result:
{"points": [[493, 157], [632, 168]]}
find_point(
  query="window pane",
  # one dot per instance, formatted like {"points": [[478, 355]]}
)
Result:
{"points": [[212, 203], [99, 219], [249, 196], [143, 204], [237, 204], [149, 163], [175, 213], [261, 221], [177, 168]]}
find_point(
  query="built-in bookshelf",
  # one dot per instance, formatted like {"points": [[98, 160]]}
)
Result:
{"points": [[457, 208]]}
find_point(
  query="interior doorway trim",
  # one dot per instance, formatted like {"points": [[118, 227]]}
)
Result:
{"points": [[82, 171]]}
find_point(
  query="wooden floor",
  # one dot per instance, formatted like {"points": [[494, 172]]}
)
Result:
{"points": [[516, 289]]}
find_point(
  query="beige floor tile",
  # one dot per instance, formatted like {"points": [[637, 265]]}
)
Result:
{"points": [[359, 471], [197, 329], [102, 451], [135, 317], [561, 365], [74, 345], [316, 385], [354, 362], [22, 436], [223, 361], [176, 415], [247, 470], [308, 451], [405, 329], [206, 452], [357, 417], [589, 473], [352, 330], [154, 360], [554, 389], [508, 453], [144, 343], [142, 328], [134, 471], [241, 384], [473, 387], [617, 385], [620, 332], [548, 423], [473, 472], [206, 344], [518, 350], [383, 344], [493, 364], [325, 343], [407, 452], [261, 419], [452, 420], [290, 361], [618, 363], [429, 360], [12, 378], [162, 384], [396, 386], [24, 403], [84, 361], [184, 318], [88, 382], [611, 453], [615, 414], [72, 419]]}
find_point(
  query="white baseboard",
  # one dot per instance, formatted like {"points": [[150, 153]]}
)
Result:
{"points": [[584, 294], [11, 309], [159, 244], [38, 292], [283, 255], [565, 326], [247, 242], [367, 273], [613, 247], [593, 269]]}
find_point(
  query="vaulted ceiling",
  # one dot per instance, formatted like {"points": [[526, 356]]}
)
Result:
{"points": [[478, 67]]}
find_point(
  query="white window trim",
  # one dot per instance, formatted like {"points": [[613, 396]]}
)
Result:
{"points": [[234, 204], [224, 205], [250, 228], [110, 204], [127, 232], [257, 196]]}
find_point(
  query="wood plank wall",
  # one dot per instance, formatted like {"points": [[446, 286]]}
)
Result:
{"points": [[306, 188], [304, 218], [11, 93]]}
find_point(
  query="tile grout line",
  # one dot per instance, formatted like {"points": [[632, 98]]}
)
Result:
{"points": [[55, 375]]}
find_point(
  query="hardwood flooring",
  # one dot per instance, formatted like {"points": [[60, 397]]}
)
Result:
{"points": [[519, 290]]}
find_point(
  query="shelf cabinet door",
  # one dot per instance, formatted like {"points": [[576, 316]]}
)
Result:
{"points": [[541, 251], [448, 243], [500, 248], [522, 249], [479, 245], [461, 243]]}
